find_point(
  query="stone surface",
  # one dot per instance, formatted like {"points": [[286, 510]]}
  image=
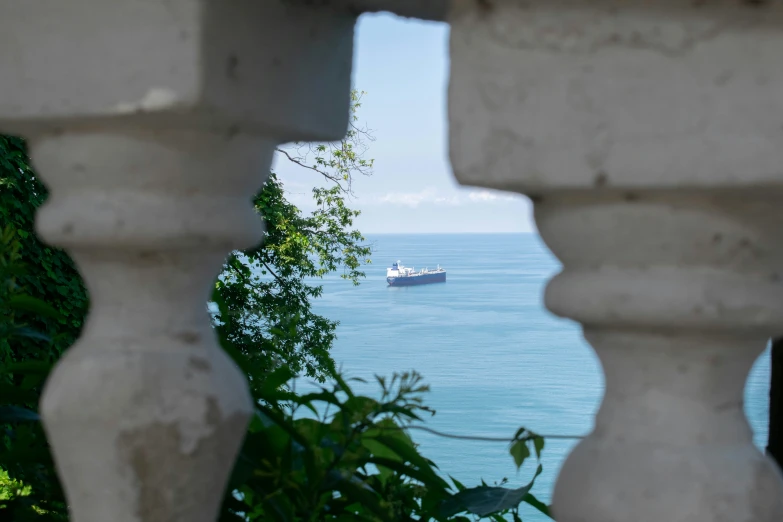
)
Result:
{"points": [[153, 124], [678, 294], [221, 64], [647, 137], [145, 413], [431, 10], [565, 94]]}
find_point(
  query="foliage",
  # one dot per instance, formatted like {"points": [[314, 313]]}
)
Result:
{"points": [[43, 304], [29, 489], [267, 292], [268, 298], [351, 459], [317, 467], [50, 275]]}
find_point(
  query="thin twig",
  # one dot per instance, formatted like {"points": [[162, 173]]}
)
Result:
{"points": [[366, 132], [273, 273], [315, 169]]}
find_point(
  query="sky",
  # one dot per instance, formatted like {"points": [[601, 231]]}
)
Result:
{"points": [[403, 66]]}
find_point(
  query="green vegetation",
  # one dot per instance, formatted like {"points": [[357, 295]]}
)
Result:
{"points": [[327, 455], [350, 458], [42, 308]]}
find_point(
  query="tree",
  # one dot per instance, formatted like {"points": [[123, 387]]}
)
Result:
{"points": [[267, 292]]}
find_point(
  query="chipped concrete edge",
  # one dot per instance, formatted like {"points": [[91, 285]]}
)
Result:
{"points": [[428, 10]]}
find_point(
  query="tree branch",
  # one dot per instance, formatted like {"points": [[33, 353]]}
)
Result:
{"points": [[273, 273], [315, 169]]}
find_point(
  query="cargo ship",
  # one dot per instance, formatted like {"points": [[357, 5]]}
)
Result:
{"points": [[399, 275]]}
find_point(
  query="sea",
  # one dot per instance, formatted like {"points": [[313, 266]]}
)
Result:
{"points": [[494, 357]]}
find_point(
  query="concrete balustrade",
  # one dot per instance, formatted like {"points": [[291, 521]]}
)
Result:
{"points": [[647, 135], [153, 124]]}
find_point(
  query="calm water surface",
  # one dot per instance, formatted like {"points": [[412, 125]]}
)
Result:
{"points": [[494, 357]]}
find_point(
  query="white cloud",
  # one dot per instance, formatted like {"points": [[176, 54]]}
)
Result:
{"points": [[300, 195], [436, 197], [414, 199], [486, 195], [409, 199], [452, 200]]}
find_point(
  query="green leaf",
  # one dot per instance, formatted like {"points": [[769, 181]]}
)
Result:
{"points": [[17, 414], [28, 367], [519, 451], [16, 394], [366, 496], [380, 450], [430, 480], [29, 333], [31, 304], [276, 379], [538, 443], [540, 506], [408, 453], [459, 485], [485, 500]]}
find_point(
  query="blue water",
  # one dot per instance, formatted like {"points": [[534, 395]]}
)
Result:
{"points": [[494, 357]]}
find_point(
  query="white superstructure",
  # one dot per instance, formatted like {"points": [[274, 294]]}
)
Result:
{"points": [[398, 270]]}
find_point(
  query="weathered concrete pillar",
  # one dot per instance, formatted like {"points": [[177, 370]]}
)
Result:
{"points": [[153, 124], [648, 135]]}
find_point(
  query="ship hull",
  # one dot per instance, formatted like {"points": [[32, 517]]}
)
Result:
{"points": [[415, 280]]}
